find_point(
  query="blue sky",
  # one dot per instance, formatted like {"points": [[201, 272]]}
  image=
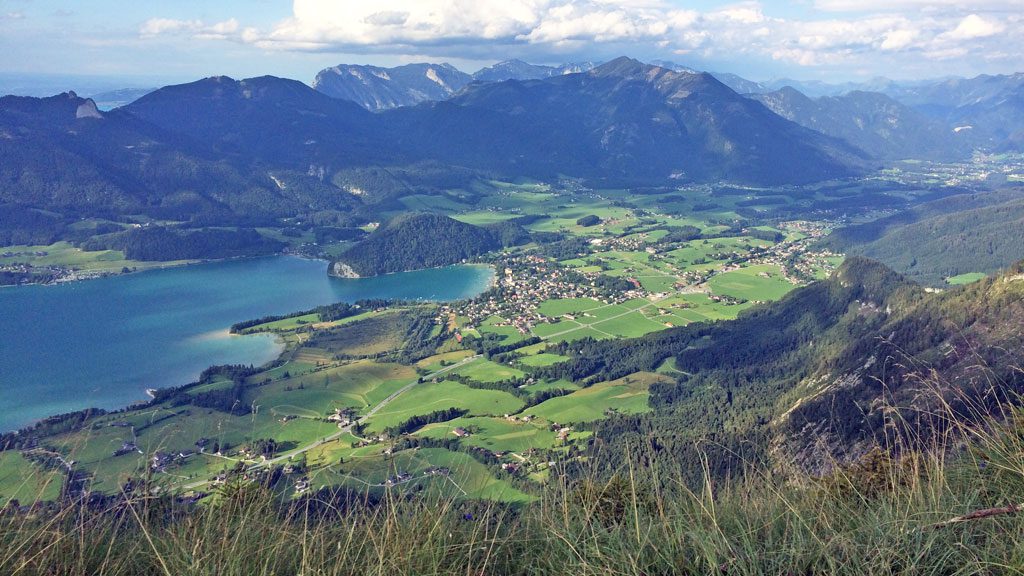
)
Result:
{"points": [[832, 40]]}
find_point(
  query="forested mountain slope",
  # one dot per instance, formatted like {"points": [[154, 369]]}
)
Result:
{"points": [[819, 378], [414, 241], [871, 121], [945, 238]]}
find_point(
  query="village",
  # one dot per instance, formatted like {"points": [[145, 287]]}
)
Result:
{"points": [[524, 281]]}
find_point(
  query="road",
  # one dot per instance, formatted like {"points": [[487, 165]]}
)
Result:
{"points": [[342, 431]]}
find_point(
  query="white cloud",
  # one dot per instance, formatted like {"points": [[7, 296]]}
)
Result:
{"points": [[914, 5], [974, 26], [927, 30], [226, 30], [899, 39], [158, 26]]}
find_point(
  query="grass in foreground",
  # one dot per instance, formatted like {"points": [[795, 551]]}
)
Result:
{"points": [[884, 517], [916, 514]]}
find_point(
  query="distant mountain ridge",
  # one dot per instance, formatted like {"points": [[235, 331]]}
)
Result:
{"points": [[871, 121], [626, 119], [519, 70], [220, 149], [376, 88]]}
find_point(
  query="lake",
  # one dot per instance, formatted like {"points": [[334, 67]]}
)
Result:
{"points": [[102, 343]]}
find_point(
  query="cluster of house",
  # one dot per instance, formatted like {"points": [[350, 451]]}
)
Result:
{"points": [[127, 447], [399, 478], [795, 258], [526, 282], [38, 253], [161, 459], [343, 416]]}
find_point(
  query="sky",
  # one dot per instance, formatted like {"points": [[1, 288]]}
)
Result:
{"points": [[147, 42]]}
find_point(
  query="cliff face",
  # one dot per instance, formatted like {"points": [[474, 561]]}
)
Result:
{"points": [[341, 270]]}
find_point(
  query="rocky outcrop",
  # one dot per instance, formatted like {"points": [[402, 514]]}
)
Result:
{"points": [[342, 270]]}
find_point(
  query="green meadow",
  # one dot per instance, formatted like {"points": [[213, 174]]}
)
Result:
{"points": [[625, 395], [762, 283], [432, 396]]}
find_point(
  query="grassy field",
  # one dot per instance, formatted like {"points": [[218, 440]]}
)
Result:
{"points": [[25, 482], [627, 395], [561, 306], [438, 361], [432, 396], [468, 478], [359, 385], [542, 359], [66, 255], [756, 283], [593, 318], [969, 278], [482, 370], [509, 334], [495, 434]]}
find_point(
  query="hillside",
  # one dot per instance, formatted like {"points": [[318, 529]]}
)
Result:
{"points": [[625, 120], [283, 123], [817, 379], [870, 121], [415, 241], [376, 88], [938, 240], [61, 154]]}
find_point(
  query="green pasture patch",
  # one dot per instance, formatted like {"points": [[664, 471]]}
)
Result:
{"points": [[626, 395], [560, 306], [26, 482], [542, 359], [482, 370], [432, 396], [495, 433], [968, 278], [755, 283], [483, 217]]}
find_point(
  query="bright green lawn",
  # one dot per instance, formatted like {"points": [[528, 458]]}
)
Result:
{"points": [[756, 283], [495, 433], [628, 395], [482, 370], [430, 396], [23, 481], [542, 359], [969, 278]]}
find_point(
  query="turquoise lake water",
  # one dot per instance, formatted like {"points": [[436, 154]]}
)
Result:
{"points": [[102, 343]]}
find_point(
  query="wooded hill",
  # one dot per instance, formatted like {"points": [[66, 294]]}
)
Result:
{"points": [[937, 240], [816, 379], [424, 240]]}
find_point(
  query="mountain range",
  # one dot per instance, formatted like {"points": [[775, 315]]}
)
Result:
{"points": [[870, 121], [376, 88], [936, 120], [225, 149]]}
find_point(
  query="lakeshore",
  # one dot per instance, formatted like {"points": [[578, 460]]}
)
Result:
{"points": [[103, 343]]}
